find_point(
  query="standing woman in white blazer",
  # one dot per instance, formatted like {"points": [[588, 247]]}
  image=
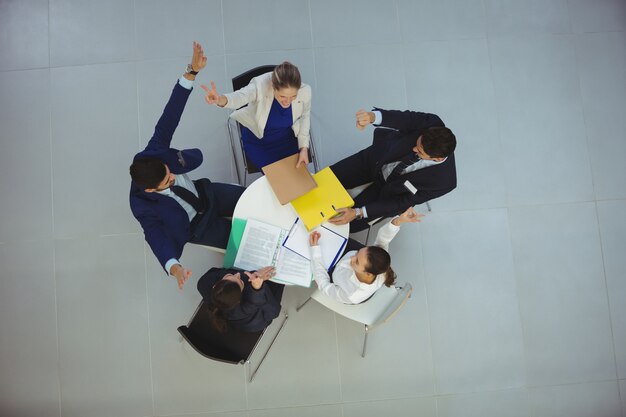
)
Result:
{"points": [[276, 121]]}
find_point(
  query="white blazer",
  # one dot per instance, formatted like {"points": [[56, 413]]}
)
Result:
{"points": [[259, 95]]}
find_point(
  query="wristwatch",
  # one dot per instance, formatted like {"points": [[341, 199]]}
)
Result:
{"points": [[190, 70], [359, 213]]}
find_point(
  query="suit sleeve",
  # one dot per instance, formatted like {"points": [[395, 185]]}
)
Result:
{"points": [[396, 204], [242, 96], [261, 301], [322, 279], [386, 234], [165, 127], [163, 247], [304, 136], [408, 121]]}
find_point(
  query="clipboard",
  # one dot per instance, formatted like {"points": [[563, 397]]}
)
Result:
{"points": [[287, 181], [321, 203], [331, 243]]}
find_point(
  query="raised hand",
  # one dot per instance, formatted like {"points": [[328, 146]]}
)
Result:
{"points": [[181, 274], [364, 118], [212, 96], [409, 216], [266, 272], [198, 60]]}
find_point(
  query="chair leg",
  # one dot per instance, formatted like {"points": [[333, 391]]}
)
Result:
{"points": [[303, 304], [367, 236], [365, 341], [268, 349], [428, 206], [232, 148]]}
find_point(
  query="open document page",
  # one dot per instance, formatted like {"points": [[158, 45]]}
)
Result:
{"points": [[261, 245], [331, 243]]}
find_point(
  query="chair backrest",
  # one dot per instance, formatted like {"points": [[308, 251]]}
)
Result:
{"points": [[231, 347], [244, 78], [378, 309]]}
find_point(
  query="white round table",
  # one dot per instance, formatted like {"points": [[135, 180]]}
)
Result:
{"points": [[259, 202]]}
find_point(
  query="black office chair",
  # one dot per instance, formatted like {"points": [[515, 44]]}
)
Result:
{"points": [[234, 128], [233, 346]]}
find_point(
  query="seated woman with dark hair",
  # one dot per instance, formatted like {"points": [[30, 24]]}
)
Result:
{"points": [[244, 302], [359, 273]]}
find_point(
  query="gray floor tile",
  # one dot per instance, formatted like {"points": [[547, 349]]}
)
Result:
{"points": [[536, 16], [240, 63], [622, 390], [541, 120], [225, 414], [183, 380], [24, 41], [428, 20], [90, 32], [103, 327], [201, 126], [463, 96], [314, 411], [613, 235], [28, 331], [372, 22], [512, 403], [342, 91], [25, 136], [399, 360], [475, 324], [160, 33], [580, 400], [302, 367], [94, 138], [409, 407], [597, 16], [539, 115], [562, 294], [270, 25], [602, 68]]}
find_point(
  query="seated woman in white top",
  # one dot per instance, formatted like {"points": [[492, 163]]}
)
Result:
{"points": [[359, 274]]}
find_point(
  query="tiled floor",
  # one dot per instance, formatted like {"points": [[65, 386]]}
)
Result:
{"points": [[519, 275]]}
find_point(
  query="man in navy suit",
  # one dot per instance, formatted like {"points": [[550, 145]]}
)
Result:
{"points": [[171, 208], [409, 163]]}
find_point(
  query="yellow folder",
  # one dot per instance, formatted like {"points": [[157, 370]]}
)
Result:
{"points": [[320, 204]]}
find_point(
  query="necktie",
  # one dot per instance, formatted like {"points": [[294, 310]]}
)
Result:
{"points": [[188, 197], [404, 163]]}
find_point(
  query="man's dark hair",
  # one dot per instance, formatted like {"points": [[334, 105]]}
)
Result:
{"points": [[147, 172], [438, 142]]}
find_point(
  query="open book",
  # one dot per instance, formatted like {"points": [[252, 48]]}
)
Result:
{"points": [[262, 245]]}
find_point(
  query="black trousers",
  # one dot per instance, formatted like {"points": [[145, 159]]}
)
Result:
{"points": [[359, 169], [211, 228]]}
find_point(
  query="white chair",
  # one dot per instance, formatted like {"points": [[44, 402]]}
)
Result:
{"points": [[373, 312]]}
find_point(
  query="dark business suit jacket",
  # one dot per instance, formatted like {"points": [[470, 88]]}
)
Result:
{"points": [[387, 199], [257, 308], [165, 223]]}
